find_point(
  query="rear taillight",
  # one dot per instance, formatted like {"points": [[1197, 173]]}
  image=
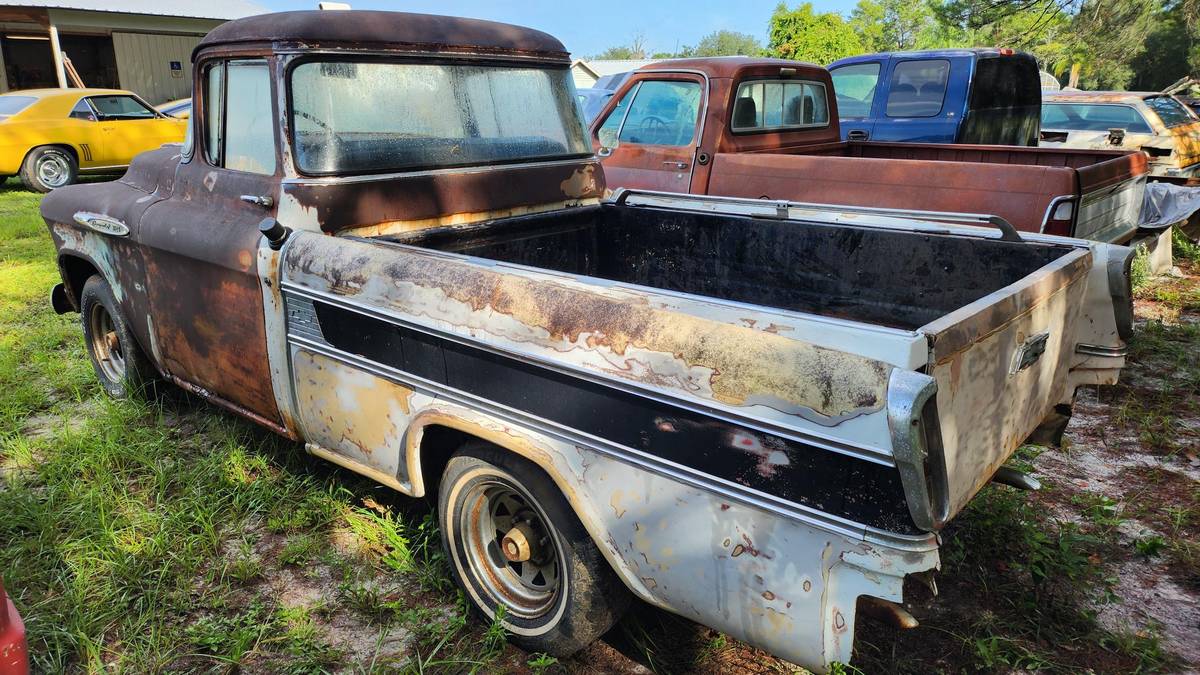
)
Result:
{"points": [[1060, 218]]}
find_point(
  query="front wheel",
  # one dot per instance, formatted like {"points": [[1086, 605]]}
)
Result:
{"points": [[514, 542], [48, 167]]}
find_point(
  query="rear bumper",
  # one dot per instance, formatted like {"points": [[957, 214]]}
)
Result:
{"points": [[14, 651]]}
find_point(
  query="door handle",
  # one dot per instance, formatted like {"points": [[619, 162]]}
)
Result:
{"points": [[676, 165], [263, 201], [857, 135]]}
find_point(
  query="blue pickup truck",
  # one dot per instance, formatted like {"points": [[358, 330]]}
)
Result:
{"points": [[981, 96]]}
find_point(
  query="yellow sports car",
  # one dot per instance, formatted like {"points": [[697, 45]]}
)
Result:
{"points": [[50, 136]]}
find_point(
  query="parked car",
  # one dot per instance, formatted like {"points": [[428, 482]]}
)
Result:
{"points": [[181, 108], [50, 136], [757, 415], [14, 651], [981, 96], [593, 101], [766, 128], [1158, 124]]}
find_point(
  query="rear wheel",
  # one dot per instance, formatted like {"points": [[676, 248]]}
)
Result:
{"points": [[48, 167], [118, 360], [514, 542]]}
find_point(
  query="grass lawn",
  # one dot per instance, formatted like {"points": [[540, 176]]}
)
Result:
{"points": [[171, 536]]}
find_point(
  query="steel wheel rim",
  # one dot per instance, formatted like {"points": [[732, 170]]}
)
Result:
{"points": [[106, 344], [52, 170], [527, 589]]}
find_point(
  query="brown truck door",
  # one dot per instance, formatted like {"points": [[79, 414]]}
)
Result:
{"points": [[649, 139], [201, 244]]}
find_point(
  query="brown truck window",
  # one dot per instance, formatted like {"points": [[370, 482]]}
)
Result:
{"points": [[663, 112], [918, 88], [238, 127], [608, 132], [784, 104]]}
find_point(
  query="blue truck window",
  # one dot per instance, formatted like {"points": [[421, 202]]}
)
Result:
{"points": [[855, 88], [918, 88]]}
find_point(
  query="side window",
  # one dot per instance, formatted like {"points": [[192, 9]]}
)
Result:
{"points": [[82, 111], [663, 113], [239, 132], [121, 108], [854, 87], [766, 104], [607, 133], [918, 88]]}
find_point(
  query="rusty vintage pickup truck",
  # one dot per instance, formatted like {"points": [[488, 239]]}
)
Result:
{"points": [[768, 128], [386, 237]]}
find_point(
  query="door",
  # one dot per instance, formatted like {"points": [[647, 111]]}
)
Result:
{"points": [[649, 139], [201, 244], [127, 128], [855, 86], [917, 107]]}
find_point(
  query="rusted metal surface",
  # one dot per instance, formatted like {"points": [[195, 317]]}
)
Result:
{"points": [[393, 31]]}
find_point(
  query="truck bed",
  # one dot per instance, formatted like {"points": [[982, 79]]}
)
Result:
{"points": [[1022, 185], [882, 277]]}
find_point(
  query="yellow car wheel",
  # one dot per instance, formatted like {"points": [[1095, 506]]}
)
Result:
{"points": [[48, 167]]}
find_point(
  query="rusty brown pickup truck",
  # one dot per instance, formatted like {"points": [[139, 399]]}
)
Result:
{"points": [[767, 128], [385, 237]]}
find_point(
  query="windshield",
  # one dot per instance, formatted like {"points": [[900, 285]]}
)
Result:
{"points": [[368, 117], [11, 105], [1171, 112], [1093, 117]]}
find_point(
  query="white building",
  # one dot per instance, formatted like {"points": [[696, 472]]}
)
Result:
{"points": [[586, 73], [141, 45]]}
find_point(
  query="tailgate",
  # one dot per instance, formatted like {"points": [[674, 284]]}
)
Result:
{"points": [[1111, 213], [1001, 365]]}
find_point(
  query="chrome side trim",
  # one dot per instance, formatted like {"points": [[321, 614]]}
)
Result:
{"points": [[98, 222], [807, 515], [716, 410], [1102, 350]]}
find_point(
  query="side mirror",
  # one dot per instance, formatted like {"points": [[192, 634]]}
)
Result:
{"points": [[1116, 136]]}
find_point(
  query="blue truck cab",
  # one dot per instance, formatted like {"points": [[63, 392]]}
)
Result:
{"points": [[980, 96]]}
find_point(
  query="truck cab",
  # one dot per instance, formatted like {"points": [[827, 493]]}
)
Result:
{"points": [[981, 96]]}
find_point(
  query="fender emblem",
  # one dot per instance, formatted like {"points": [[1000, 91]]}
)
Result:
{"points": [[102, 224], [1029, 353]]}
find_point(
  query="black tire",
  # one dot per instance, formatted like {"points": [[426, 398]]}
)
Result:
{"points": [[587, 598], [120, 364], [48, 167]]}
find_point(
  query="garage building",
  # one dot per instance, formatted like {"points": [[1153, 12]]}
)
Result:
{"points": [[144, 46]]}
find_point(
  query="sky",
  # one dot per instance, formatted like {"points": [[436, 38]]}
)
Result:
{"points": [[589, 27]]}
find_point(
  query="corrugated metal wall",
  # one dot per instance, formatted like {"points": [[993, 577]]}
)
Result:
{"points": [[144, 64]]}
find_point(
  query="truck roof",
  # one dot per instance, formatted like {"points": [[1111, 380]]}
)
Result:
{"points": [[728, 66], [366, 29], [974, 51]]}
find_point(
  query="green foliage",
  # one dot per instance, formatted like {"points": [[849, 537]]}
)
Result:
{"points": [[1149, 546], [893, 25], [725, 43], [805, 35]]}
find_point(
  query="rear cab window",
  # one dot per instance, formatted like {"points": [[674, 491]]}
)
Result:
{"points": [[763, 105], [918, 88], [1170, 111], [655, 112], [12, 104], [1093, 117], [855, 85]]}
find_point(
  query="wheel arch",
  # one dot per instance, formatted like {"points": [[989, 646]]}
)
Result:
{"points": [[75, 268], [434, 435], [64, 146]]}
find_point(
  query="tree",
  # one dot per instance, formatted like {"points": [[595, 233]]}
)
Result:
{"points": [[893, 25], [725, 43], [635, 50], [805, 35]]}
